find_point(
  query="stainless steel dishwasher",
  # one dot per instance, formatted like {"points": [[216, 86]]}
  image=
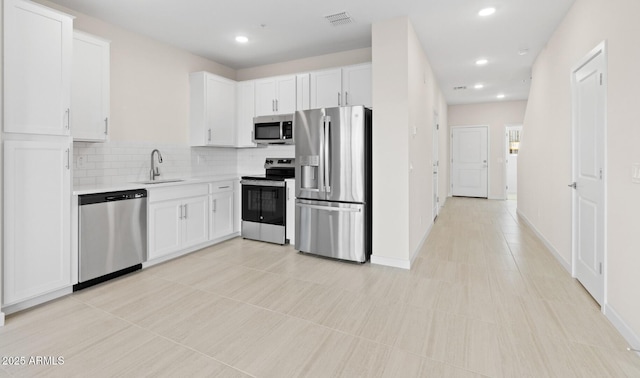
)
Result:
{"points": [[112, 235]]}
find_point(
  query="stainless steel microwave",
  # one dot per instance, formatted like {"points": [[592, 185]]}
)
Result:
{"points": [[276, 129]]}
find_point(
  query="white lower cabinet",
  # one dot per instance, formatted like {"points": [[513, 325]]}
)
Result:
{"points": [[221, 215], [37, 219], [291, 210], [178, 219]]}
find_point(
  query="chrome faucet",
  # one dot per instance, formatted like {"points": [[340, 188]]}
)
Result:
{"points": [[154, 170]]}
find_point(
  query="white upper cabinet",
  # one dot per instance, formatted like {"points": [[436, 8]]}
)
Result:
{"points": [[303, 91], [356, 85], [90, 88], [246, 110], [37, 69], [326, 88], [276, 95], [345, 86], [212, 110]]}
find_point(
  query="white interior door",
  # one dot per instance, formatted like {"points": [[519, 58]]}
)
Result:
{"points": [[469, 164], [588, 171], [512, 147], [435, 161]]}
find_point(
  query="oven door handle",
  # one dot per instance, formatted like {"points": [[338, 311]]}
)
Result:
{"points": [[279, 184]]}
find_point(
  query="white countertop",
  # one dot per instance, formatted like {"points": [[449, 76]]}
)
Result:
{"points": [[101, 188]]}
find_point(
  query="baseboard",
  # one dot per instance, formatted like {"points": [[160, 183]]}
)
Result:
{"points": [[390, 261], [183, 252], [421, 244], [565, 264], [10, 309], [629, 335]]}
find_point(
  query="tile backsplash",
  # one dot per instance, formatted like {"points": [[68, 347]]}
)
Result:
{"points": [[121, 162]]}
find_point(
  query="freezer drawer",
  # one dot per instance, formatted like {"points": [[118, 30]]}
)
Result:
{"points": [[331, 229]]}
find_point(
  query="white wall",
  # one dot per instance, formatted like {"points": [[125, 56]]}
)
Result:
{"points": [[405, 96], [149, 83], [344, 58], [496, 115], [545, 156]]}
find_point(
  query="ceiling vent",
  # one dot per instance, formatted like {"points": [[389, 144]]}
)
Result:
{"points": [[338, 19], [460, 88]]}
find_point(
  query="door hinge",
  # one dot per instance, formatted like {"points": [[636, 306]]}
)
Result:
{"points": [[437, 199], [600, 268], [600, 78], [437, 126], [600, 173]]}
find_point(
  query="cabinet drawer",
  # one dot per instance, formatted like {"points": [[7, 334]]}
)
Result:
{"points": [[177, 192], [221, 186]]}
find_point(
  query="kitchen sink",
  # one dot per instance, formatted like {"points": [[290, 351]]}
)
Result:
{"points": [[159, 181]]}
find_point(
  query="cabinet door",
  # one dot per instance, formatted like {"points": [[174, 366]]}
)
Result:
{"points": [[37, 218], [220, 110], [326, 89], [37, 69], [356, 85], [90, 88], [246, 112], [286, 95], [291, 211], [195, 216], [265, 97], [303, 102], [165, 228], [222, 213]]}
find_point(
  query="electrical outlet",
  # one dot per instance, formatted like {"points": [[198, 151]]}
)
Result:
{"points": [[80, 162]]}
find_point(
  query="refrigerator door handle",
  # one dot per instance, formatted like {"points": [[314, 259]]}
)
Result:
{"points": [[327, 152], [330, 208]]}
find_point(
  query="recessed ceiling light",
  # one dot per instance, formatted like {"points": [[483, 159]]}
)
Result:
{"points": [[487, 12], [478, 86], [481, 62], [500, 96], [242, 39]]}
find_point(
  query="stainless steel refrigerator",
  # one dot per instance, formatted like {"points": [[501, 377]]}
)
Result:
{"points": [[333, 182]]}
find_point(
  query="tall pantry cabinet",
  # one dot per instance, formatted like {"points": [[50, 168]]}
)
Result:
{"points": [[37, 152]]}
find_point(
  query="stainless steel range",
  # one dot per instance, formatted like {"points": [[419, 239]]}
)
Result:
{"points": [[264, 202]]}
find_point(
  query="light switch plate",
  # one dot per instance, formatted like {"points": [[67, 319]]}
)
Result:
{"points": [[80, 162]]}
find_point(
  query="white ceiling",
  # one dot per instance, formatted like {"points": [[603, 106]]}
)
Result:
{"points": [[452, 33]]}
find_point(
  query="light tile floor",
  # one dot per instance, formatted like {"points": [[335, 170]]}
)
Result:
{"points": [[483, 298]]}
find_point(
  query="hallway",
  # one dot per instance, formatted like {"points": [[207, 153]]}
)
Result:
{"points": [[483, 298]]}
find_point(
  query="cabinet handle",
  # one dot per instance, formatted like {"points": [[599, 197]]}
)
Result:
{"points": [[276, 105], [68, 114], [106, 126], [224, 187], [287, 193], [185, 211], [180, 212], [338, 98], [346, 98], [68, 158], [209, 131], [215, 205], [273, 105]]}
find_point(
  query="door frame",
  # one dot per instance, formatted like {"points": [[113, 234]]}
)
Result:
{"points": [[436, 143], [505, 148], [601, 48], [451, 129]]}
